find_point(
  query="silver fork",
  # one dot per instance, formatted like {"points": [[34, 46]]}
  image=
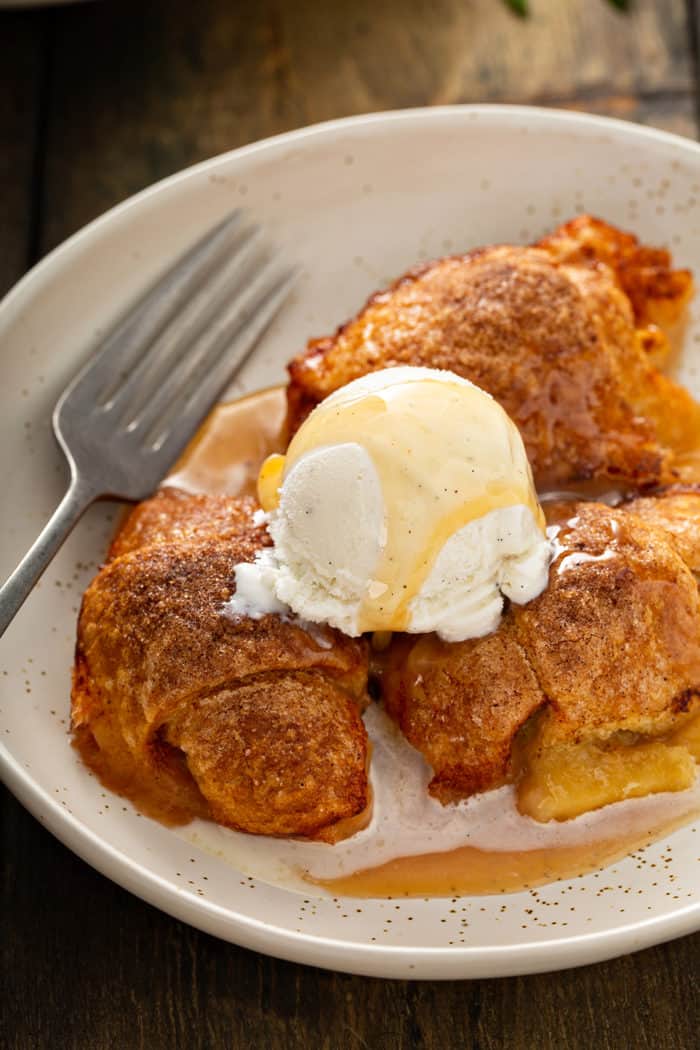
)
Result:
{"points": [[128, 414]]}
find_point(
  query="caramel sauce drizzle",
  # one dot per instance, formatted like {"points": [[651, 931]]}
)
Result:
{"points": [[451, 475]]}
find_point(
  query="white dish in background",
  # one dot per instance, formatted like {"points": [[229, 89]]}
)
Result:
{"points": [[357, 202]]}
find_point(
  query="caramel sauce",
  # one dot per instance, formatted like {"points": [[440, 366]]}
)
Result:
{"points": [[169, 795], [472, 871], [225, 458]]}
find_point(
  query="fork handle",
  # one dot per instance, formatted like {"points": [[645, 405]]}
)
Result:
{"points": [[14, 592]]}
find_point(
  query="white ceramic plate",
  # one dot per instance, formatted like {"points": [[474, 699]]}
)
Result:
{"points": [[356, 201]]}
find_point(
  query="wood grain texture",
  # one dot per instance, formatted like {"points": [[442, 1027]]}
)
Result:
{"points": [[141, 90], [674, 112], [124, 92], [23, 47]]}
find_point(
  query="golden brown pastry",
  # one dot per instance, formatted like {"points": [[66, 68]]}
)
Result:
{"points": [[598, 668], [658, 293], [618, 589], [171, 515], [551, 332], [675, 509], [188, 710], [461, 704]]}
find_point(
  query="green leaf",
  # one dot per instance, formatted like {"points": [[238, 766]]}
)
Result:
{"points": [[621, 5]]}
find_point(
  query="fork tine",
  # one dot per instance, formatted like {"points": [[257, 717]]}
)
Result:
{"points": [[191, 282], [227, 350], [228, 334], [185, 328], [199, 353], [105, 369]]}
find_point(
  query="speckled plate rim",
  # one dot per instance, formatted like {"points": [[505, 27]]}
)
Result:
{"points": [[237, 927], [370, 960]]}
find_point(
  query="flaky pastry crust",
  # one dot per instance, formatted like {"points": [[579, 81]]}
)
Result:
{"points": [[254, 722], [559, 333]]}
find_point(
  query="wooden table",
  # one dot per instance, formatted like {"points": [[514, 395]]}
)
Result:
{"points": [[97, 101]]}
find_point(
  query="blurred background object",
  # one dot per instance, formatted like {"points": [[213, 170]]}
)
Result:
{"points": [[98, 101]]}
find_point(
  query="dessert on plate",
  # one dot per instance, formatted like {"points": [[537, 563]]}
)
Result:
{"points": [[566, 334], [428, 539], [576, 695], [255, 724]]}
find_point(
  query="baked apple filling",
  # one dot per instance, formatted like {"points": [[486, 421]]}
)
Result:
{"points": [[561, 782]]}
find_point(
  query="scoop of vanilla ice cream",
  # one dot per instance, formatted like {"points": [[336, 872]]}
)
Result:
{"points": [[405, 503]]}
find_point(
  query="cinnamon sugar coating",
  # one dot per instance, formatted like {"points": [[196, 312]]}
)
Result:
{"points": [[559, 333], [261, 717]]}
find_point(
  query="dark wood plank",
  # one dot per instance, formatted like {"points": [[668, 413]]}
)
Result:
{"points": [[22, 53], [141, 90], [671, 111]]}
